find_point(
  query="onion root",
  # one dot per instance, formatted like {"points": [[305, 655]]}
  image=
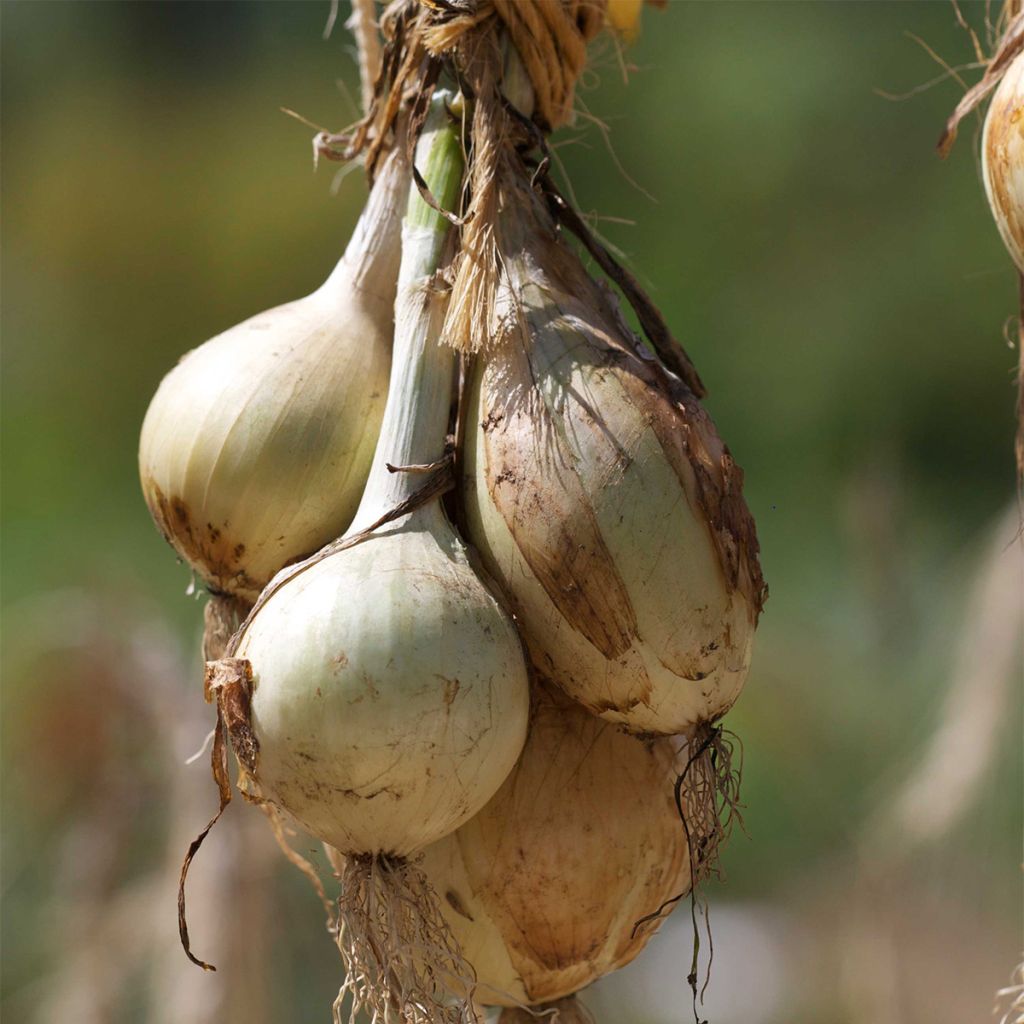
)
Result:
{"points": [[401, 961]]}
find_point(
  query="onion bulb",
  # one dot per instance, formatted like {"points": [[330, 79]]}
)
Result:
{"points": [[390, 697], [1002, 159], [389, 694], [257, 445], [604, 501], [545, 886]]}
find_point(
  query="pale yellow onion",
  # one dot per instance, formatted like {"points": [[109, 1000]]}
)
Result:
{"points": [[257, 445], [1002, 159], [545, 886], [605, 503]]}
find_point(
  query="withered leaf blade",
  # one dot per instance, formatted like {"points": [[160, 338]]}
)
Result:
{"points": [[219, 765]]}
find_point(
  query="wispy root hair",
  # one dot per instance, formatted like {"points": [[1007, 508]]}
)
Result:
{"points": [[401, 961], [707, 794]]}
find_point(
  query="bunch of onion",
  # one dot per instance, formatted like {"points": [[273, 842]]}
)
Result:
{"points": [[602, 502], [377, 693], [388, 695], [257, 445]]}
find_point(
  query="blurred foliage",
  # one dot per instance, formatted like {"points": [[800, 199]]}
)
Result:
{"points": [[843, 291]]}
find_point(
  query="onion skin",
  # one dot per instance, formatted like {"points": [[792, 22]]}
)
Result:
{"points": [[606, 506], [383, 720], [1002, 149], [544, 887], [257, 445]]}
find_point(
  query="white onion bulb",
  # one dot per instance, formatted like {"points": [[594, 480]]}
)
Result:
{"points": [[257, 445], [390, 691]]}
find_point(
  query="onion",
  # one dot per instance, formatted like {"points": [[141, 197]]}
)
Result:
{"points": [[1002, 153], [603, 500], [390, 696], [257, 445], [389, 691], [545, 886]]}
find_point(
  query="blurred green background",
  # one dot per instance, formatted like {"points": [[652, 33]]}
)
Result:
{"points": [[846, 297]]}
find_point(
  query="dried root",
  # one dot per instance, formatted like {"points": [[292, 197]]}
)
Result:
{"points": [[401, 961], [708, 796]]}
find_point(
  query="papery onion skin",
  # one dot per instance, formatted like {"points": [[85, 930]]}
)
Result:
{"points": [[383, 720], [256, 447], [1002, 149], [607, 507], [544, 887]]}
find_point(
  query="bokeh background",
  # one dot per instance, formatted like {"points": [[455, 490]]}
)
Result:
{"points": [[849, 303]]}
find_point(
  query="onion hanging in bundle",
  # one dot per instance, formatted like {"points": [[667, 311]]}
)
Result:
{"points": [[389, 696], [377, 694], [602, 498], [546, 887], [1002, 159], [257, 445]]}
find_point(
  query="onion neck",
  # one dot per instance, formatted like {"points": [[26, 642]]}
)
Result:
{"points": [[369, 265], [422, 369]]}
